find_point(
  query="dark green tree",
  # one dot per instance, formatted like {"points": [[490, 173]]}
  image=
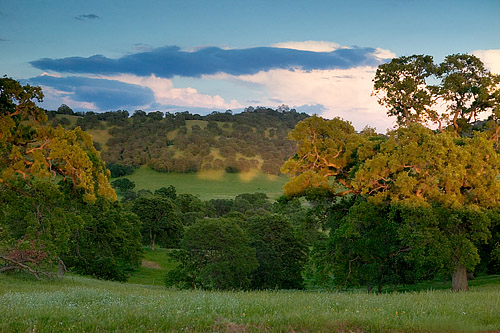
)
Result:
{"points": [[123, 184], [280, 254], [167, 192], [215, 254], [108, 246], [64, 109], [160, 221]]}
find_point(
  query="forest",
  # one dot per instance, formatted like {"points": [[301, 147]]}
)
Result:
{"points": [[361, 209]]}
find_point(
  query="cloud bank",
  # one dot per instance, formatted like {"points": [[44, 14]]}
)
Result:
{"points": [[170, 61], [312, 76]]}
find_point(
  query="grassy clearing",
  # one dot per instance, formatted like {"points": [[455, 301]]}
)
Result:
{"points": [[101, 136], [155, 266], [210, 185], [82, 304]]}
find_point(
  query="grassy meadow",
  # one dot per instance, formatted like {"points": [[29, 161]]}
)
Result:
{"points": [[210, 184], [83, 304]]}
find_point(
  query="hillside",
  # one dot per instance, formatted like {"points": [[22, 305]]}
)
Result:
{"points": [[254, 140]]}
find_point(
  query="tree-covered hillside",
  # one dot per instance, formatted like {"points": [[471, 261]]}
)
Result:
{"points": [[182, 142]]}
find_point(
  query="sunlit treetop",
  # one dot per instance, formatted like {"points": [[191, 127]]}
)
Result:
{"points": [[453, 94], [31, 149]]}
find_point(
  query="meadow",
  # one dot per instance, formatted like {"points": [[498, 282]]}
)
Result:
{"points": [[83, 304], [210, 184]]}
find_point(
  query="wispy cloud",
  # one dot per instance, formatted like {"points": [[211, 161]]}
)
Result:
{"points": [[86, 17], [170, 61]]}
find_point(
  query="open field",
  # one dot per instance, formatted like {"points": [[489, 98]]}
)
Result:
{"points": [[210, 184], [83, 304]]}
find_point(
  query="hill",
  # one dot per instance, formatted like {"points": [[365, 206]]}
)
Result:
{"points": [[256, 139]]}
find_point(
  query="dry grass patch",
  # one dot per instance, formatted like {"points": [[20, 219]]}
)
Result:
{"points": [[150, 264]]}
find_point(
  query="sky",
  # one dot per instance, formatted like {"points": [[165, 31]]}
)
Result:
{"points": [[201, 56]]}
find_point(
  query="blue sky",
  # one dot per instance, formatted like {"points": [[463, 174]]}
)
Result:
{"points": [[317, 56]]}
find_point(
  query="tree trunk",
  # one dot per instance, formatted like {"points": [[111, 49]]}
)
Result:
{"points": [[153, 238], [62, 268], [459, 279]]}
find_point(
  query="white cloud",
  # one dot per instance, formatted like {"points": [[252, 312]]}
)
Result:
{"points": [[344, 93], [165, 93], [384, 54], [53, 98], [491, 59], [310, 45]]}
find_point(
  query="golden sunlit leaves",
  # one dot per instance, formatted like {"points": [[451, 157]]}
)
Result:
{"points": [[325, 151], [32, 149]]}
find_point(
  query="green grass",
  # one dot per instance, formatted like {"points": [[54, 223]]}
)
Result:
{"points": [[101, 136], [211, 184], [83, 304], [155, 266]]}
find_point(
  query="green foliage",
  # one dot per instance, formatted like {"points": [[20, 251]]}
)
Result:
{"points": [[123, 185], [109, 244], [118, 170], [280, 254], [402, 88], [215, 254], [327, 149], [38, 219], [98, 239], [32, 149], [72, 222], [469, 88], [64, 109], [447, 179], [168, 192], [160, 221], [462, 82], [365, 248]]}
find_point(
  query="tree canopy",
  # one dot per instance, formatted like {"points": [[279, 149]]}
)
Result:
{"points": [[449, 176], [57, 204]]}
